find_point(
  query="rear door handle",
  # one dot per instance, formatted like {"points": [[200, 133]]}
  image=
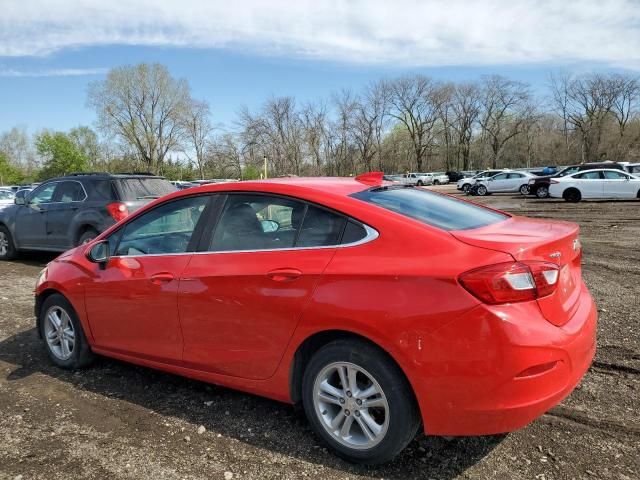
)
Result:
{"points": [[160, 278], [284, 274]]}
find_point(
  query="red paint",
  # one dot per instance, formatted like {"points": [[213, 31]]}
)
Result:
{"points": [[237, 319]]}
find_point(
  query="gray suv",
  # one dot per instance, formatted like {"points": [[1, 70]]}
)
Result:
{"points": [[65, 212]]}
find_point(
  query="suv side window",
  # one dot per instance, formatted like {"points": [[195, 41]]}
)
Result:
{"points": [[43, 194], [69, 191], [166, 229]]}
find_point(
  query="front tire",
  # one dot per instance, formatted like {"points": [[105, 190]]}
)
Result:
{"points": [[482, 190], [466, 187], [420, 183], [62, 332], [436, 182], [524, 189], [7, 247], [359, 402]]}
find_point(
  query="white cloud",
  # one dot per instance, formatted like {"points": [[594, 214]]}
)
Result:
{"points": [[54, 72], [420, 33]]}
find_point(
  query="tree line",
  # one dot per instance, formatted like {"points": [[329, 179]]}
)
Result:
{"points": [[147, 120]]}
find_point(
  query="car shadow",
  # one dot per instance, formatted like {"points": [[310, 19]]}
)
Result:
{"points": [[256, 421]]}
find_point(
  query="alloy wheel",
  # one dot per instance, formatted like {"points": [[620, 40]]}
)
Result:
{"points": [[59, 332], [542, 192], [351, 405]]}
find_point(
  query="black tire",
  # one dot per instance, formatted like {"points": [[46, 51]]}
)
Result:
{"points": [[420, 183], [403, 419], [481, 190], [8, 249], [88, 235], [572, 195], [81, 354], [542, 192], [466, 187], [524, 189], [436, 182]]}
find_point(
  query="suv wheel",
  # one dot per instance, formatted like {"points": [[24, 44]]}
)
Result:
{"points": [[436, 182], [62, 333], [481, 190], [87, 236], [542, 192], [358, 401], [7, 247], [420, 183], [466, 187]]}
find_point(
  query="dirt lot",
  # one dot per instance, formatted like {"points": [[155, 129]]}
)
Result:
{"points": [[120, 421]]}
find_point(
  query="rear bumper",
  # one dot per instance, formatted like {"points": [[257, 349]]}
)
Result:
{"points": [[505, 367]]}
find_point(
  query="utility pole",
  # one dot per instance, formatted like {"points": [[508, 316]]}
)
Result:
{"points": [[264, 157]]}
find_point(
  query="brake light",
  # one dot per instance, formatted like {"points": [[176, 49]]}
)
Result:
{"points": [[118, 211], [511, 282]]}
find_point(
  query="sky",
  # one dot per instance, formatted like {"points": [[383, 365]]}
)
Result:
{"points": [[241, 53]]}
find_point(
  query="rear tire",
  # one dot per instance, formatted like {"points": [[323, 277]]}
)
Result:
{"points": [[7, 247], [420, 183], [334, 395], [62, 333], [542, 192], [88, 235], [436, 182], [572, 195]]}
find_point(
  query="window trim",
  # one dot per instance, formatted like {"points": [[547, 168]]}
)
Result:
{"points": [[216, 203]]}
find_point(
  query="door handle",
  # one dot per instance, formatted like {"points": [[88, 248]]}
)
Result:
{"points": [[160, 278], [284, 274]]}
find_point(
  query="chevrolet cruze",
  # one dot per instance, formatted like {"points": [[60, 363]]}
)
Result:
{"points": [[383, 309]]}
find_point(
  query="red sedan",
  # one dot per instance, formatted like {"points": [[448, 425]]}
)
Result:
{"points": [[383, 309]]}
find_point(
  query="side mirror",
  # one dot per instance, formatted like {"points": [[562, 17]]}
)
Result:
{"points": [[99, 253], [269, 226], [20, 198]]}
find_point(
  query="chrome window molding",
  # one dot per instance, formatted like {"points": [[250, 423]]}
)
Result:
{"points": [[371, 235], [62, 181]]}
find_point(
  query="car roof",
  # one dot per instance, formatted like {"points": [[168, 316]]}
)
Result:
{"points": [[103, 175]]}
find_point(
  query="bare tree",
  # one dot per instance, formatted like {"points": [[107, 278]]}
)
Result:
{"points": [[198, 128], [314, 119], [415, 104], [144, 106], [506, 109], [466, 105]]}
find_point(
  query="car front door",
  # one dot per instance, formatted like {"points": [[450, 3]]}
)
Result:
{"points": [[498, 183], [618, 185], [132, 303], [31, 218], [242, 297], [67, 199]]}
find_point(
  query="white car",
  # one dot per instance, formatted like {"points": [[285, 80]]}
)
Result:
{"points": [[505, 182], [419, 179], [466, 183], [598, 183], [438, 178], [6, 197]]}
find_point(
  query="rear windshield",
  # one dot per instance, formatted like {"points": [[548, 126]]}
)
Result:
{"points": [[143, 188], [434, 209]]}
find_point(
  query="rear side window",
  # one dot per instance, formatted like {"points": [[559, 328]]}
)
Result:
{"points": [[433, 209], [143, 188], [614, 175], [320, 228], [353, 232], [589, 176], [101, 190]]}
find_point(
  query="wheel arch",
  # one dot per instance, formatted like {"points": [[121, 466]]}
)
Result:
{"points": [[569, 190], [317, 340], [81, 229], [41, 297]]}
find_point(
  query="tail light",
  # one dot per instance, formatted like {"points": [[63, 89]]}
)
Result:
{"points": [[118, 211], [511, 282]]}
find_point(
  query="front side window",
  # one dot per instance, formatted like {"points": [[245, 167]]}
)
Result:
{"points": [[43, 194], [441, 211], [609, 175], [502, 176], [166, 229]]}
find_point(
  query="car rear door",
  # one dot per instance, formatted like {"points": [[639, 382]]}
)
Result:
{"points": [[514, 181], [67, 199], [498, 183], [242, 296], [132, 305], [590, 184]]}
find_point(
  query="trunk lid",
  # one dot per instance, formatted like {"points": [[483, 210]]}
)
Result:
{"points": [[540, 240]]}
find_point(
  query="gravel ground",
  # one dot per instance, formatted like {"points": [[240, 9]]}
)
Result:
{"points": [[119, 421]]}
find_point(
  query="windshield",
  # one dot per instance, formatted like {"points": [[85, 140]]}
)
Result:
{"points": [[434, 209], [143, 188], [6, 195]]}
